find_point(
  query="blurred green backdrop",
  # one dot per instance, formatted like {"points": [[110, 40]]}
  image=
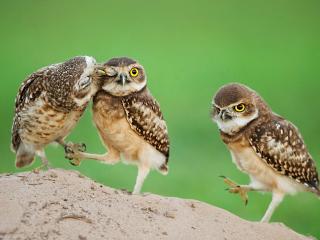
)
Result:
{"points": [[189, 50]]}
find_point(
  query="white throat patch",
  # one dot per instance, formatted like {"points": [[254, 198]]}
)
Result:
{"points": [[233, 126], [119, 90]]}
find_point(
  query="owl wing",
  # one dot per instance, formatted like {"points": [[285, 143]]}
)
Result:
{"points": [[145, 118], [281, 146], [32, 87], [29, 91]]}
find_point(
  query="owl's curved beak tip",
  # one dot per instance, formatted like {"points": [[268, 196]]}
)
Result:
{"points": [[100, 71]]}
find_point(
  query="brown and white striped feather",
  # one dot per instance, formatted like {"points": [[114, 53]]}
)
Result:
{"points": [[41, 114], [145, 118], [29, 91], [279, 144]]}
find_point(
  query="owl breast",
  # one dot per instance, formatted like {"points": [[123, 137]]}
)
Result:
{"points": [[114, 129], [262, 176], [40, 124]]}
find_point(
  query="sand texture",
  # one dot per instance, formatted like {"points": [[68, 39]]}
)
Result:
{"points": [[60, 204]]}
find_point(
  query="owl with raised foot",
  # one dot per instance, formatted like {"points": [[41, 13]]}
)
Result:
{"points": [[264, 145], [49, 104], [129, 121]]}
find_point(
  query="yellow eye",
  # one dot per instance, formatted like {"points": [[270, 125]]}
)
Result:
{"points": [[134, 72], [240, 107]]}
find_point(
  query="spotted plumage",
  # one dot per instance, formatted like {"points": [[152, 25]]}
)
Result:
{"points": [[281, 146], [129, 121], [145, 118], [264, 145], [49, 104]]}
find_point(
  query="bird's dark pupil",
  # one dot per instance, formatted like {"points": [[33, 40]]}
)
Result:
{"points": [[134, 71]]}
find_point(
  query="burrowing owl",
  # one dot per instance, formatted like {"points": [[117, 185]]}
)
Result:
{"points": [[264, 145], [49, 104], [129, 121]]}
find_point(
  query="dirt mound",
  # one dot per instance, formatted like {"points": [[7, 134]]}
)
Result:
{"points": [[59, 204]]}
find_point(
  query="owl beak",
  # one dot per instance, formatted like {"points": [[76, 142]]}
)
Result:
{"points": [[123, 78], [100, 71], [224, 115]]}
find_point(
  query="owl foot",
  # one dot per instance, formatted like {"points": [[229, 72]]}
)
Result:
{"points": [[74, 157], [242, 192], [73, 152], [43, 166], [238, 189], [73, 147]]}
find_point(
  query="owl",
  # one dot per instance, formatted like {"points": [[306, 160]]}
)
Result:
{"points": [[129, 121], [263, 145], [49, 104]]}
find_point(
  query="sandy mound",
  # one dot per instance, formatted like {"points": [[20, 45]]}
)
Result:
{"points": [[60, 204]]}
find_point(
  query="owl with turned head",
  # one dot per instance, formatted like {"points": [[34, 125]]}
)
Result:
{"points": [[129, 121], [263, 145], [49, 104]]}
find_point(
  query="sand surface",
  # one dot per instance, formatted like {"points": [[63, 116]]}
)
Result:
{"points": [[60, 204]]}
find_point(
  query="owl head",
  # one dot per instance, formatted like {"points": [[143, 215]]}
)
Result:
{"points": [[124, 76], [90, 76], [73, 82], [235, 106]]}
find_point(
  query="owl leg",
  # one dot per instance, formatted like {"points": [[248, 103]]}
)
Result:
{"points": [[45, 163], [111, 157], [143, 172], [242, 190], [276, 200]]}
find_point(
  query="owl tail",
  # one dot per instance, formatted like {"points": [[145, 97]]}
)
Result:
{"points": [[25, 156], [164, 169]]}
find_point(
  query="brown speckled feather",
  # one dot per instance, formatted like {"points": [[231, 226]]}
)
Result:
{"points": [[54, 85], [280, 145], [29, 91], [145, 118]]}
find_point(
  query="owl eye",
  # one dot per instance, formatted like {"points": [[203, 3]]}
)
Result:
{"points": [[134, 72], [85, 82], [240, 107]]}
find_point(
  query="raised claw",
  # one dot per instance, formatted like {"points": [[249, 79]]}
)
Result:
{"points": [[71, 148], [68, 149], [81, 147], [67, 156], [236, 188], [73, 157], [75, 162], [229, 182]]}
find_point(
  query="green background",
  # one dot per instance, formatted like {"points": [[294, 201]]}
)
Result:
{"points": [[189, 50]]}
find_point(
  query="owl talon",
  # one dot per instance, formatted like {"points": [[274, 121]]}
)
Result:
{"points": [[68, 149], [75, 162], [237, 189], [229, 182], [74, 158], [72, 148], [81, 147]]}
